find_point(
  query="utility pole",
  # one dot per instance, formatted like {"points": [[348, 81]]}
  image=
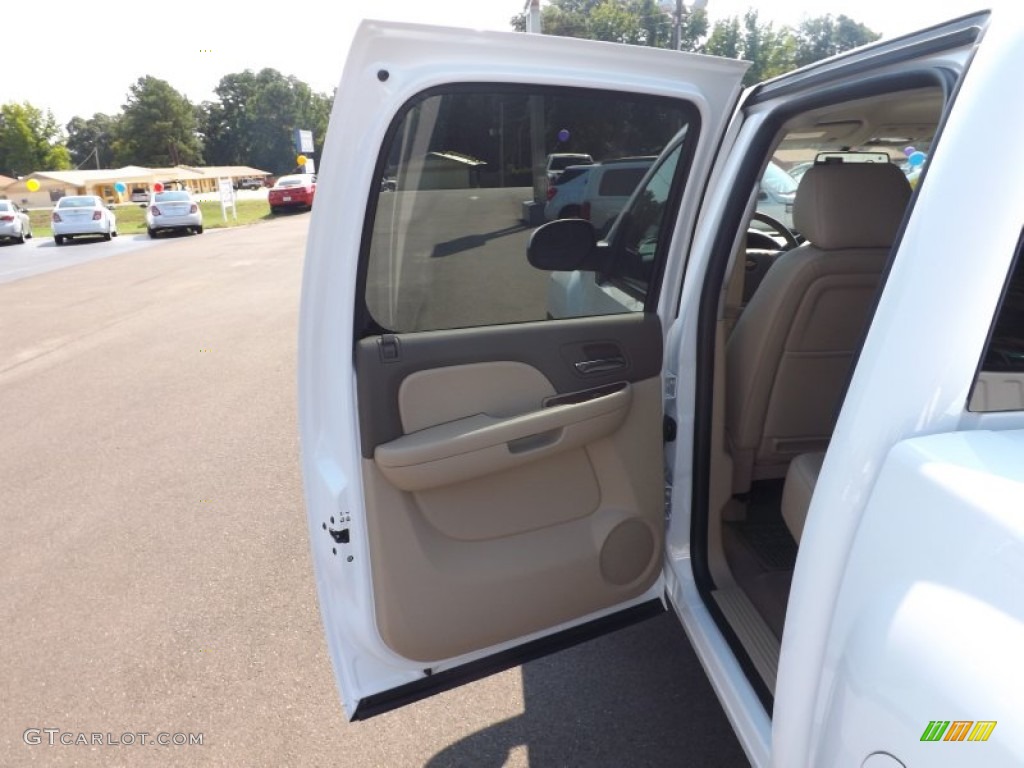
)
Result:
{"points": [[681, 12], [532, 11], [533, 210]]}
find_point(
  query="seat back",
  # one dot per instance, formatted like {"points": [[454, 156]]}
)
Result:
{"points": [[788, 359]]}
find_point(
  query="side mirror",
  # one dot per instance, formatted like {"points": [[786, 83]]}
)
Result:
{"points": [[565, 245]]}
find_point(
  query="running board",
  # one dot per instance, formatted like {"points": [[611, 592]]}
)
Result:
{"points": [[752, 631]]}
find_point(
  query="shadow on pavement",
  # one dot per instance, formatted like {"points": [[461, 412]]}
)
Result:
{"points": [[469, 242], [637, 697]]}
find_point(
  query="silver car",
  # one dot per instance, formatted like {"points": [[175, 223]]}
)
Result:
{"points": [[14, 222], [173, 210], [82, 215]]}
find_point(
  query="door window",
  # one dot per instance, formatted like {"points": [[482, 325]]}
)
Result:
{"points": [[463, 184], [1000, 382]]}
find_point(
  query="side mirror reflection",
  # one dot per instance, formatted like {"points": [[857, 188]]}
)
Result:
{"points": [[565, 245]]}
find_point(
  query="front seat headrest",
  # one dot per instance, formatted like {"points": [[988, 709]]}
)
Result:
{"points": [[851, 205]]}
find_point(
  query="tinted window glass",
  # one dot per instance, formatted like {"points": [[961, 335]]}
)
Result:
{"points": [[1000, 385], [171, 196], [1005, 351], [466, 184], [636, 247], [621, 183], [77, 202]]}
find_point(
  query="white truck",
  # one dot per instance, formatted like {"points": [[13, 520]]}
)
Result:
{"points": [[812, 453]]}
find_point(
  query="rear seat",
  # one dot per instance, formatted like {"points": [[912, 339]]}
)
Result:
{"points": [[801, 477]]}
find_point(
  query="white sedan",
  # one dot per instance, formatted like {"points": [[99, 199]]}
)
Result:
{"points": [[82, 215], [14, 222], [174, 209]]}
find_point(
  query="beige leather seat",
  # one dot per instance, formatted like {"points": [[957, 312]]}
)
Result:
{"points": [[788, 358]]}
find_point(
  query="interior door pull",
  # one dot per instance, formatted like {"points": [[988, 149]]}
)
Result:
{"points": [[601, 366]]}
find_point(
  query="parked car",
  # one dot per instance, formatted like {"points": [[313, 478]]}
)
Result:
{"points": [[14, 222], [609, 186], [820, 479], [249, 183], [776, 195], [295, 191], [174, 210], [565, 194], [797, 171], [559, 161], [76, 215], [139, 195]]}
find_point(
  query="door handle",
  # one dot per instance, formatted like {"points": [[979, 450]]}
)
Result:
{"points": [[602, 365]]}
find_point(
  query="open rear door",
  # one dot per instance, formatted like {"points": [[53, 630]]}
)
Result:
{"points": [[484, 482]]}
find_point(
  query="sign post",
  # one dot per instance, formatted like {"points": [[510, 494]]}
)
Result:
{"points": [[227, 198]]}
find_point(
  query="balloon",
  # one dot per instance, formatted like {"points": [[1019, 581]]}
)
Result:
{"points": [[158, 187], [916, 160], [300, 160], [909, 151], [120, 187], [563, 135], [33, 185]]}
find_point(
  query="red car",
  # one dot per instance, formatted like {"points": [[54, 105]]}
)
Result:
{"points": [[292, 192]]}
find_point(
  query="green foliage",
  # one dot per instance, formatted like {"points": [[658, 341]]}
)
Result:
{"points": [[254, 119], [771, 51], [30, 140], [92, 140], [157, 127], [635, 22], [824, 36]]}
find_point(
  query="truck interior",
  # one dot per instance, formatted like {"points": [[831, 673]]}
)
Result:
{"points": [[789, 321]]}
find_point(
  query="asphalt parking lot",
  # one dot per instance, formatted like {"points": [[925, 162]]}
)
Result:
{"points": [[155, 575]]}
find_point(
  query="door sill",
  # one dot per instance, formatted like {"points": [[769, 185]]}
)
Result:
{"points": [[752, 631]]}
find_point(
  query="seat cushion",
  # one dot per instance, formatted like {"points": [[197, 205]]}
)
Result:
{"points": [[801, 477]]}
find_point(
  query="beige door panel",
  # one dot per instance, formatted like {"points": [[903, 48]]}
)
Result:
{"points": [[998, 391], [438, 395], [512, 547], [482, 444]]}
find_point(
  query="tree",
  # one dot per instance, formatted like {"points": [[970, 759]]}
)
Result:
{"points": [[636, 22], [254, 120], [157, 127], [91, 141], [725, 39], [30, 140], [771, 51], [823, 36]]}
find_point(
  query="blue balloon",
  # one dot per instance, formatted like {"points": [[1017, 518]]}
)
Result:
{"points": [[120, 187], [563, 135], [916, 159]]}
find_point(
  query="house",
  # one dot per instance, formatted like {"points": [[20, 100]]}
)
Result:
{"points": [[115, 185]]}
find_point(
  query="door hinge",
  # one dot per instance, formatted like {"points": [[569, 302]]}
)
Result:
{"points": [[670, 386], [668, 504]]}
